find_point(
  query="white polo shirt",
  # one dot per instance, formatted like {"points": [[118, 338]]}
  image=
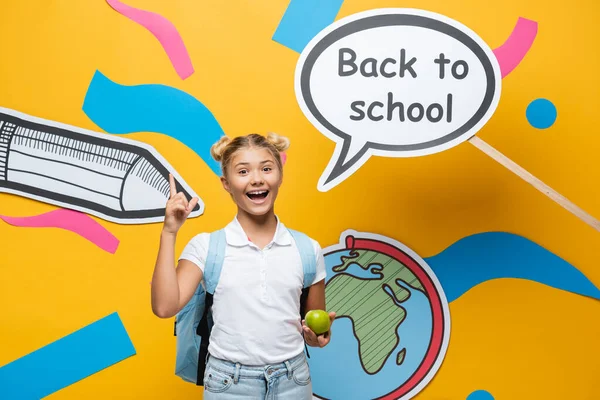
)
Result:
{"points": [[257, 300]]}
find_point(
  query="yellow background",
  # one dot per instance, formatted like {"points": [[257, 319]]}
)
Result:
{"points": [[516, 339]]}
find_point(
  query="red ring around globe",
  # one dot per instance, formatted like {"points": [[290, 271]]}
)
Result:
{"points": [[438, 322]]}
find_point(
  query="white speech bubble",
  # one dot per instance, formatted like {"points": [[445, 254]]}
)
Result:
{"points": [[395, 82]]}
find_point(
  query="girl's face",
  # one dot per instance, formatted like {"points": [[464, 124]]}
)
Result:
{"points": [[253, 180]]}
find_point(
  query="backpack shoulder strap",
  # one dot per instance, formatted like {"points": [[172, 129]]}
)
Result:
{"points": [[212, 271], [214, 260], [307, 254]]}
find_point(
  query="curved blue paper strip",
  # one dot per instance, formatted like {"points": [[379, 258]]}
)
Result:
{"points": [[67, 360], [156, 108], [493, 255]]}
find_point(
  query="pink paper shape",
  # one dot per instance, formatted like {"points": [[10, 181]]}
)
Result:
{"points": [[283, 156], [517, 45], [164, 31], [74, 221]]}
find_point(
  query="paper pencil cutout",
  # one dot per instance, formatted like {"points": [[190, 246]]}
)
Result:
{"points": [[111, 177]]}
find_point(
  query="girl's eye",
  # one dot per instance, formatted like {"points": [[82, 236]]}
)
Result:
{"points": [[267, 169], [243, 171]]}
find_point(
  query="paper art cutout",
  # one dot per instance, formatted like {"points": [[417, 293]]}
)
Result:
{"points": [[541, 113], [70, 220], [156, 108], [514, 49], [67, 360], [303, 19], [400, 82], [113, 178], [429, 77], [480, 395], [393, 325], [393, 321], [164, 31], [494, 255]]}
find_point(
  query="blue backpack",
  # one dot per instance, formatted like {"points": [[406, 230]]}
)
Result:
{"points": [[194, 322]]}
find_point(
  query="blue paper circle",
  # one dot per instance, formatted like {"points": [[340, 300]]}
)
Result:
{"points": [[541, 113], [480, 395]]}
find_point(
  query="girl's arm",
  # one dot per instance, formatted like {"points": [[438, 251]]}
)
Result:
{"points": [[316, 297], [316, 301], [172, 288]]}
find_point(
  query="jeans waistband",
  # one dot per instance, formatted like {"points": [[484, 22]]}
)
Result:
{"points": [[250, 371]]}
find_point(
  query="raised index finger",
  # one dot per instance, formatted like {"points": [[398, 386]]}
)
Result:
{"points": [[172, 185]]}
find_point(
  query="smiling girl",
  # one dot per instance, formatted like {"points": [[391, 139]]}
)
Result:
{"points": [[256, 346]]}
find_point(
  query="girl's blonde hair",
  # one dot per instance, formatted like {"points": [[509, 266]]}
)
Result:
{"points": [[225, 148]]}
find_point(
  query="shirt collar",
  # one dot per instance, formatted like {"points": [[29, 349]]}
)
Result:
{"points": [[235, 235]]}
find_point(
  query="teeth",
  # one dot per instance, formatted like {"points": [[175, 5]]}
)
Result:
{"points": [[258, 192]]}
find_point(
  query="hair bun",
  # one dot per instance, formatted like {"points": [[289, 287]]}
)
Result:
{"points": [[281, 143], [217, 149]]}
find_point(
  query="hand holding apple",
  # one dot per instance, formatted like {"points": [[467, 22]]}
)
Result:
{"points": [[317, 327]]}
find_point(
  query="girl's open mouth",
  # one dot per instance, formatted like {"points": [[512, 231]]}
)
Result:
{"points": [[257, 196]]}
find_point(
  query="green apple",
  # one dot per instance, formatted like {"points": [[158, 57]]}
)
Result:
{"points": [[318, 321]]}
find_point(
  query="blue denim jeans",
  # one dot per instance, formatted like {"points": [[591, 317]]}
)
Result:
{"points": [[225, 380]]}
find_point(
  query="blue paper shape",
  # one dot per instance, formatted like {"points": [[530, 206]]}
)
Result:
{"points": [[480, 395], [541, 113], [493, 255], [156, 108], [303, 19], [67, 360]]}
